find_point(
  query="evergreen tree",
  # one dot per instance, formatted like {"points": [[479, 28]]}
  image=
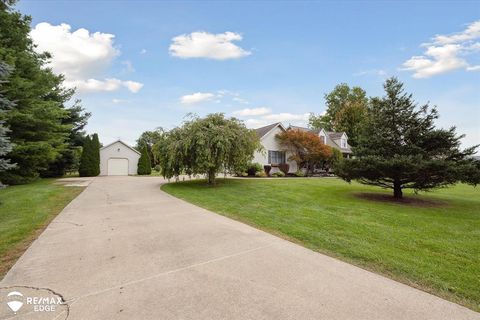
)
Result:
{"points": [[95, 155], [90, 159], [69, 157], [5, 105], [400, 148], [39, 122], [86, 158], [144, 165]]}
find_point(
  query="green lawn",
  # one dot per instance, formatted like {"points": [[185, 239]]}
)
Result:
{"points": [[24, 212], [434, 246]]}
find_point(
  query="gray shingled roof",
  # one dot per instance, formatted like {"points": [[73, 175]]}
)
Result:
{"points": [[264, 130], [335, 135], [298, 128]]}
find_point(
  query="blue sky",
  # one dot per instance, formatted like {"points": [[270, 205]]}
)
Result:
{"points": [[260, 61]]}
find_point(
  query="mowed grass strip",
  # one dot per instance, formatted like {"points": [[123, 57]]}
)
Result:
{"points": [[431, 242], [25, 211]]}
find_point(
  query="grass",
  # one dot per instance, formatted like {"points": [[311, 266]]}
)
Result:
{"points": [[432, 242], [25, 211]]}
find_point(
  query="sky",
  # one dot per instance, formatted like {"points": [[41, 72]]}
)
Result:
{"points": [[139, 65]]}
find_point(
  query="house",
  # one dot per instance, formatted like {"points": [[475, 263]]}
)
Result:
{"points": [[337, 140], [118, 159], [273, 154]]}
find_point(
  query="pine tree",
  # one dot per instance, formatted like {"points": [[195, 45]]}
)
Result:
{"points": [[5, 105], [95, 155], [144, 166], [40, 123], [86, 159], [400, 148]]}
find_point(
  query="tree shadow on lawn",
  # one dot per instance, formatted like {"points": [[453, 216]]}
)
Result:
{"points": [[411, 201]]}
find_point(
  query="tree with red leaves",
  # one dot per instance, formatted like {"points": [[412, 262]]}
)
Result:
{"points": [[305, 148]]}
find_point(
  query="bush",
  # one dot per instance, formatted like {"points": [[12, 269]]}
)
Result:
{"points": [[278, 174], [284, 167], [157, 168], [299, 173], [143, 166], [253, 168], [267, 169], [260, 174]]}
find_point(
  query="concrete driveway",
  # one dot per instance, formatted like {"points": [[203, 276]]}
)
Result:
{"points": [[126, 250]]}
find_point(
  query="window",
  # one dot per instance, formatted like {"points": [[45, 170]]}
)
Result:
{"points": [[322, 138], [344, 143], [276, 157]]}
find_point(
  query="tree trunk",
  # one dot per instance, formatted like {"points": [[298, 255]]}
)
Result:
{"points": [[397, 190], [211, 177]]}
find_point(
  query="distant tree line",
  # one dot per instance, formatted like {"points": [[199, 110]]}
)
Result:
{"points": [[41, 132]]}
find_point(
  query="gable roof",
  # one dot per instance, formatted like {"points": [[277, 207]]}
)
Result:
{"points": [[262, 131], [335, 135], [120, 141], [290, 127], [330, 137]]}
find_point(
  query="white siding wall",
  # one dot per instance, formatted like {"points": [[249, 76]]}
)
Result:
{"points": [[269, 142], [118, 150]]}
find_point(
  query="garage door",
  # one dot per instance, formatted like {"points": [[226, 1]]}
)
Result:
{"points": [[117, 167]]}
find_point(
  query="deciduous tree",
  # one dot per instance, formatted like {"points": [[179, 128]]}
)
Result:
{"points": [[149, 138], [346, 111], [207, 146], [305, 148]]}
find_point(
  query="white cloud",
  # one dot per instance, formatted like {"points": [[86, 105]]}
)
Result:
{"points": [[472, 32], [111, 84], [285, 117], [207, 45], [281, 117], [446, 53], [240, 100], [81, 56], [375, 72], [94, 85], [133, 86], [255, 123], [197, 97], [252, 112]]}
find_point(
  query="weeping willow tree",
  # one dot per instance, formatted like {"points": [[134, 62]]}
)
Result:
{"points": [[207, 146]]}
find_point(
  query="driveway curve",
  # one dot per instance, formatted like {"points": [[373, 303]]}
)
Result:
{"points": [[124, 249]]}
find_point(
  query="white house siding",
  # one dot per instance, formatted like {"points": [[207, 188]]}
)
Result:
{"points": [[118, 150], [269, 142]]}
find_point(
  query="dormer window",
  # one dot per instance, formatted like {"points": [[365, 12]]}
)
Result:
{"points": [[343, 143], [322, 138]]}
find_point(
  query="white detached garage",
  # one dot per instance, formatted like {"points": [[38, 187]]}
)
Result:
{"points": [[118, 159]]}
